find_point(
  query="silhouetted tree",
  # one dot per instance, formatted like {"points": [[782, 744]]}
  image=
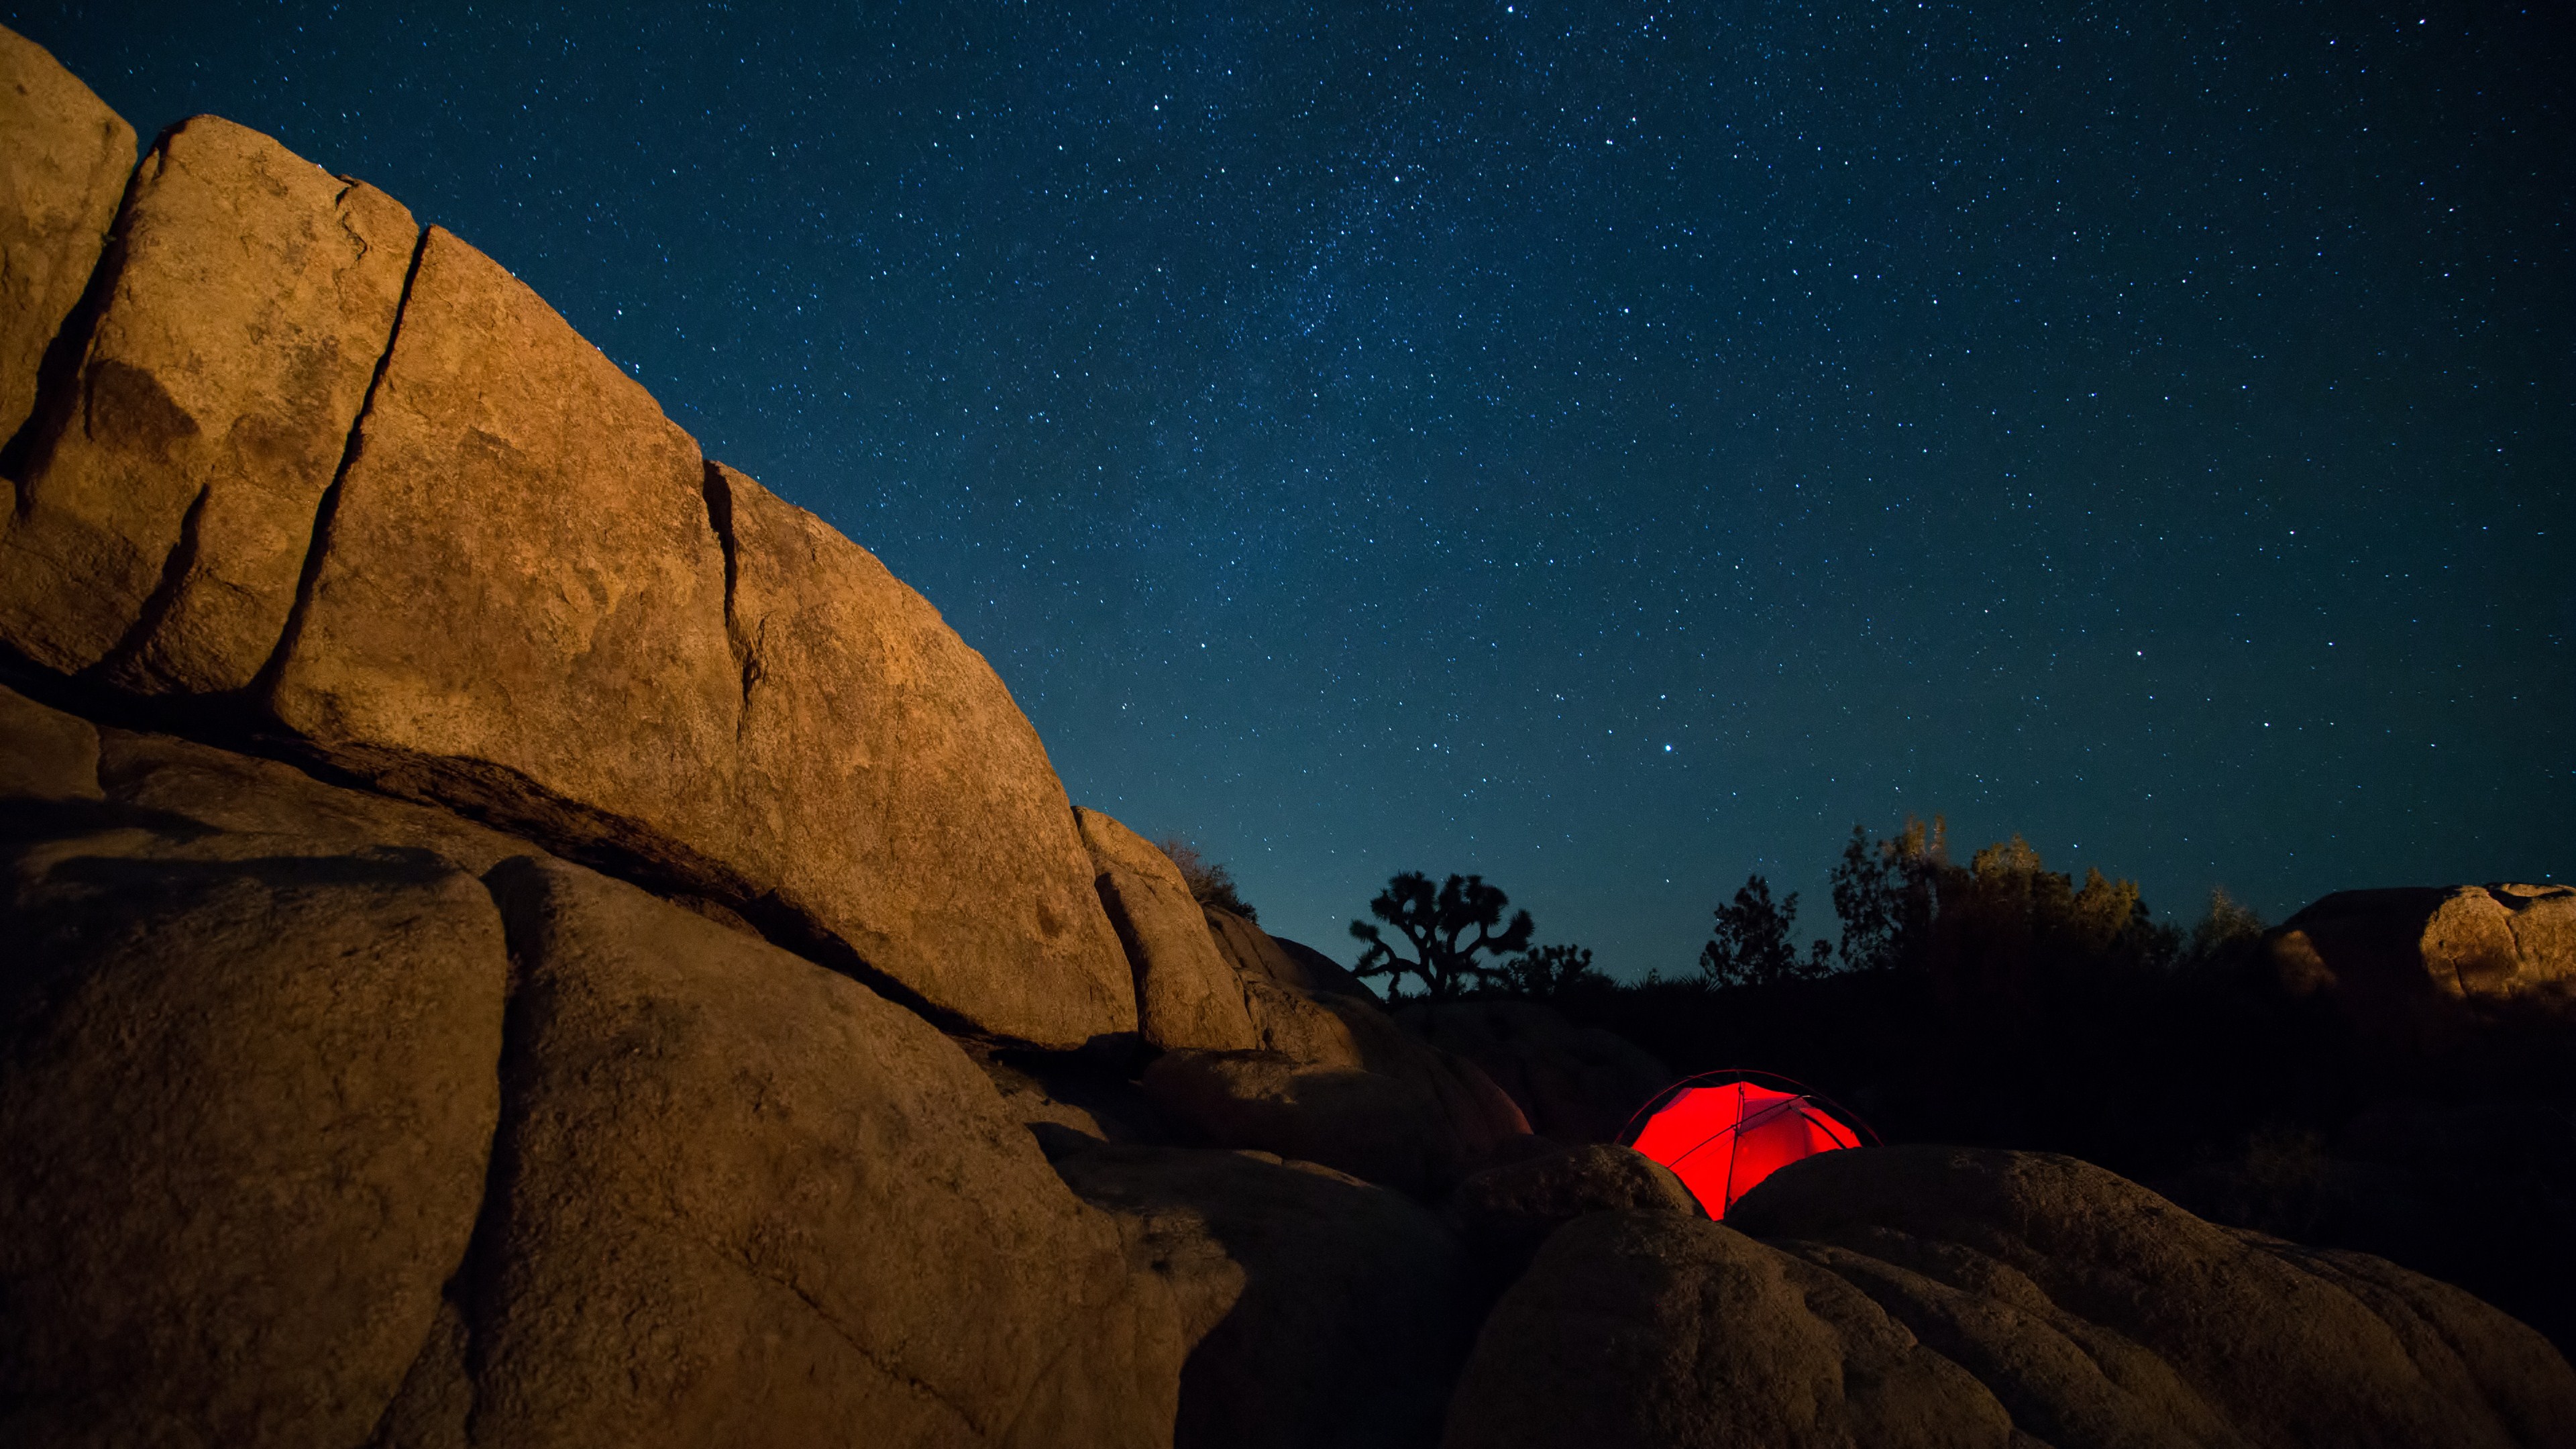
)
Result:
{"points": [[1751, 945], [1435, 922], [1210, 884], [1886, 893], [1552, 973]]}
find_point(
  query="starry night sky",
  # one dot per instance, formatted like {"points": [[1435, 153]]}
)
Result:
{"points": [[1609, 447]]}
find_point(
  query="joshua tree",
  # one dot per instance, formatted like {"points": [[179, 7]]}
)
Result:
{"points": [[1435, 923]]}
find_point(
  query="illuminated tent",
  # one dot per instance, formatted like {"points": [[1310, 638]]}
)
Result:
{"points": [[1722, 1132]]}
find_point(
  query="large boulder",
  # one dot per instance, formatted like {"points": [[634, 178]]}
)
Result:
{"points": [[297, 427], [1933, 1295], [63, 167], [45, 754], [168, 500], [517, 487], [2461, 942], [1575, 1083], [1418, 1130], [895, 794], [1649, 1330], [1187, 993], [1318, 1309], [738, 1199], [248, 1085], [1256, 955], [1507, 1210]]}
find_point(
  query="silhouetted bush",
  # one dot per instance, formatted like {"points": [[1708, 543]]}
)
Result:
{"points": [[1210, 884]]}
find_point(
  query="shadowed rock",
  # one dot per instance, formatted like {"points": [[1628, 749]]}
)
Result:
{"points": [[1648, 1330], [1575, 1083], [1317, 1309], [167, 505], [63, 168], [1187, 994], [45, 754], [1505, 1212], [739, 1199], [247, 1092]]}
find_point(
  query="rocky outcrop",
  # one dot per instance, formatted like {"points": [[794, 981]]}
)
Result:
{"points": [[45, 754], [1187, 993], [293, 426], [1256, 955], [247, 1093], [2467, 942], [1575, 1083], [61, 173], [1334, 1080], [896, 795], [735, 1197], [739, 1199], [169, 492], [1506, 1211], [1318, 1309], [1944, 1296]]}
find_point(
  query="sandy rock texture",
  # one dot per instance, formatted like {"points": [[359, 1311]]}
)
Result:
{"points": [[738, 1199], [167, 504], [248, 1084], [1927, 1295], [1575, 1083], [62, 172], [1318, 1309], [1187, 993]]}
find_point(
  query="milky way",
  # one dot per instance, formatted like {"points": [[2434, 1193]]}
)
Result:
{"points": [[1610, 449]]}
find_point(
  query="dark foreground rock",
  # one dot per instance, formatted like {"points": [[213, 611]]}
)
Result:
{"points": [[1940, 1296], [740, 1200], [1575, 1083], [1318, 1309], [1505, 1212], [247, 1092]]}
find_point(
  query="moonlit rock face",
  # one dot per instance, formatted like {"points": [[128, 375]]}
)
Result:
{"points": [[62, 168], [169, 502]]}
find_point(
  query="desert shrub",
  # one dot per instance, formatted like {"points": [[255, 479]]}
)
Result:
{"points": [[1210, 884]]}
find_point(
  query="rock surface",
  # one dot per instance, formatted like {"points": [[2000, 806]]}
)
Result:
{"points": [[1574, 1083], [1408, 1131], [168, 500], [514, 485], [2083, 1307], [1318, 1309], [739, 1199], [896, 796], [2464, 942], [247, 1092], [62, 172], [802, 745], [45, 754], [1647, 1330], [1505, 1212], [1187, 993]]}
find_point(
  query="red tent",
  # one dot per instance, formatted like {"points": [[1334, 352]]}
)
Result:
{"points": [[1724, 1132]]}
